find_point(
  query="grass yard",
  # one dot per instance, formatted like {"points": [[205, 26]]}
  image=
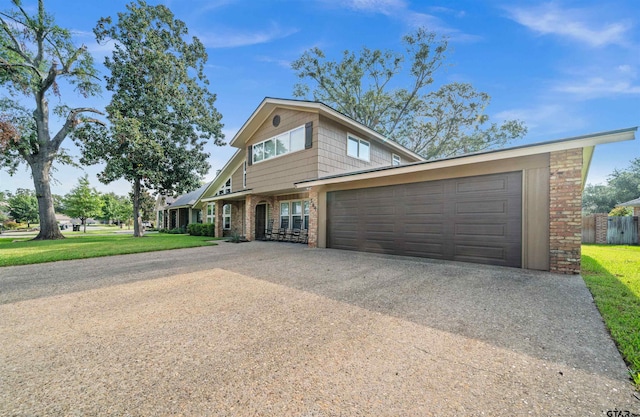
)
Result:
{"points": [[612, 274], [22, 251]]}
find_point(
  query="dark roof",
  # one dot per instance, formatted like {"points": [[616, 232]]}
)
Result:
{"points": [[631, 203], [189, 199]]}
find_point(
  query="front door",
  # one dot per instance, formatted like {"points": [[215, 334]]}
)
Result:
{"points": [[261, 215]]}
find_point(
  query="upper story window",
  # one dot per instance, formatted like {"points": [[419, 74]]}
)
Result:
{"points": [[244, 175], [288, 142], [226, 188], [395, 160], [357, 148]]}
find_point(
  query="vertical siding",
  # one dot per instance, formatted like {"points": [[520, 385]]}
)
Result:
{"points": [[282, 172], [332, 150]]}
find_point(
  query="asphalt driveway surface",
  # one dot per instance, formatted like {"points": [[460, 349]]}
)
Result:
{"points": [[279, 329]]}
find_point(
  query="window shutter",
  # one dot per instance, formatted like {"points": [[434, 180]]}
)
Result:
{"points": [[249, 155], [308, 138]]}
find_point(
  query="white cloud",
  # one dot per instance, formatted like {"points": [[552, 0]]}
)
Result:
{"points": [[545, 121], [581, 25], [386, 7], [280, 62], [618, 81], [400, 10], [233, 38]]}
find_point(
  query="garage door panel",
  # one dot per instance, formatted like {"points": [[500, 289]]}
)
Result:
{"points": [[423, 229], [463, 230], [481, 185], [478, 208], [474, 219], [477, 251], [423, 209]]}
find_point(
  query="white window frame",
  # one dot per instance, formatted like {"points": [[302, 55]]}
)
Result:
{"points": [[226, 187], [211, 213], [303, 214], [244, 175], [360, 144], [226, 215], [281, 136], [395, 160]]}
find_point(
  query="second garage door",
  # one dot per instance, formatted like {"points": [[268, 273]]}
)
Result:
{"points": [[473, 219]]}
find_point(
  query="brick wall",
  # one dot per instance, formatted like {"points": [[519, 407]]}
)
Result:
{"points": [[313, 219], [565, 211], [602, 224]]}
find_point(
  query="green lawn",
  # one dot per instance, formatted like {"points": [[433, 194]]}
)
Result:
{"points": [[22, 251], [612, 274]]}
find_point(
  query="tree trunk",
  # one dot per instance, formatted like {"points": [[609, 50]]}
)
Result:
{"points": [[138, 231], [84, 225], [49, 229]]}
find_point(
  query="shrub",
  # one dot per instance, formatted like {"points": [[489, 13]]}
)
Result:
{"points": [[11, 225], [209, 229]]}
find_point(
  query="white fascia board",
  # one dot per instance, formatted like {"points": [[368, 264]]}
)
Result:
{"points": [[561, 145]]}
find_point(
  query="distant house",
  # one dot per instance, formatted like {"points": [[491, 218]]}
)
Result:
{"points": [[179, 212], [303, 164], [635, 203]]}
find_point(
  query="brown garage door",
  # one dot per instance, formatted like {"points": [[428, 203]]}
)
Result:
{"points": [[473, 219]]}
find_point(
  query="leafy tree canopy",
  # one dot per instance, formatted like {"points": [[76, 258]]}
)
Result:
{"points": [[36, 56], [437, 123], [116, 208], [83, 202], [622, 185], [161, 111], [23, 206]]}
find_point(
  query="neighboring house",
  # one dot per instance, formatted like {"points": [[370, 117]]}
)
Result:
{"points": [[179, 212], [635, 203], [301, 162]]}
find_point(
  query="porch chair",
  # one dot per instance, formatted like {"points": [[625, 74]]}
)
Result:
{"points": [[304, 236], [282, 232], [268, 234], [295, 232]]}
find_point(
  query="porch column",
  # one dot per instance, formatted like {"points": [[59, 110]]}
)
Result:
{"points": [[313, 218], [218, 218], [565, 211], [251, 202]]}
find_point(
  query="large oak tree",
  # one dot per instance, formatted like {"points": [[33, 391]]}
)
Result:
{"points": [[391, 92], [36, 56], [161, 111]]}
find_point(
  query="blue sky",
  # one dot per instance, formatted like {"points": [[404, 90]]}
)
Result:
{"points": [[566, 68]]}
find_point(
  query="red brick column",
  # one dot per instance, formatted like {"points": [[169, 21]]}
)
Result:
{"points": [[602, 224], [565, 211], [250, 215], [218, 218], [313, 218]]}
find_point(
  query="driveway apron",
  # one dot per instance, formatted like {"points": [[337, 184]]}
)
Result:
{"points": [[266, 328]]}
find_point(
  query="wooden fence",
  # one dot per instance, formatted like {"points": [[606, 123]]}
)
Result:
{"points": [[614, 230]]}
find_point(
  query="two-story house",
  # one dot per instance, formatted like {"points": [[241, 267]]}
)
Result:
{"points": [[303, 163]]}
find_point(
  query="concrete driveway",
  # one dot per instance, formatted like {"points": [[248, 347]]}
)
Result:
{"points": [[266, 328]]}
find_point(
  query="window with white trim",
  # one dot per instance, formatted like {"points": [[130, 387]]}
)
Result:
{"points": [[244, 175], [226, 217], [284, 215], [395, 160], [357, 148], [294, 214], [226, 188], [288, 142], [211, 212]]}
